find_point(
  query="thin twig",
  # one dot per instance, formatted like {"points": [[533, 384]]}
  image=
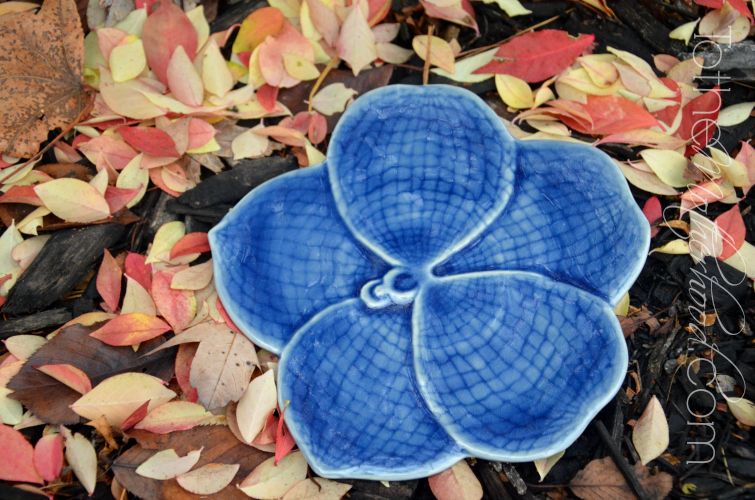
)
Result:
{"points": [[474, 52], [426, 70], [332, 64], [620, 461]]}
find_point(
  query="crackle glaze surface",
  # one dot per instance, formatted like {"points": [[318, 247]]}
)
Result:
{"points": [[435, 289]]}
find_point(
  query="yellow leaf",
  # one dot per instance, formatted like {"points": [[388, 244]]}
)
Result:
{"points": [[676, 247], [81, 457], [734, 115], [650, 435], [199, 21], [23, 346], [193, 278], [668, 165], [299, 67], [73, 200], [216, 77], [324, 489], [622, 308], [99, 181], [167, 236], [209, 147], [184, 81], [441, 54], [208, 479], [11, 410], [742, 409], [684, 32], [514, 91], [127, 61], [137, 299], [314, 156], [464, 69], [734, 170], [119, 396], [512, 8], [167, 464], [131, 177], [249, 145], [544, 465], [259, 399], [268, 481], [332, 99]]}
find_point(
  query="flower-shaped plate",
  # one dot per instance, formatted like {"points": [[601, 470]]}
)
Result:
{"points": [[435, 289]]}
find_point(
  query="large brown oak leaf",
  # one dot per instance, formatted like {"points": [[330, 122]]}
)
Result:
{"points": [[41, 66]]}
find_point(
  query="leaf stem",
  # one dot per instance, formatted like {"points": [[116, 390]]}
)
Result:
{"points": [[332, 64], [426, 70]]}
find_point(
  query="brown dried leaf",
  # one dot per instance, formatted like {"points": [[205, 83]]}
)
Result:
{"points": [[601, 480], [41, 63], [220, 446], [49, 399]]}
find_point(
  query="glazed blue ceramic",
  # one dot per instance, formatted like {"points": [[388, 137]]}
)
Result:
{"points": [[435, 289]]}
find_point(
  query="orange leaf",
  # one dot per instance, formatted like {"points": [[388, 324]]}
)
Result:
{"points": [[264, 22], [18, 455], [109, 281], [164, 30], [42, 70], [733, 231], [68, 375], [610, 115], [130, 329], [117, 198], [189, 244]]}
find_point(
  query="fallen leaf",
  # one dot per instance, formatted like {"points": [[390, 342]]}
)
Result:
{"points": [[11, 411], [458, 12], [324, 489], [601, 480], [165, 238], [190, 244], [101, 425], [174, 416], [739, 5], [356, 42], [118, 153], [133, 177], [284, 441], [43, 89], [651, 435], [109, 281], [456, 483], [742, 409], [127, 61], [288, 41], [137, 299], [82, 458], [130, 329], [209, 479], [73, 200], [258, 401], [24, 346], [21, 194], [544, 465], [183, 79], [150, 140], [165, 29], [136, 417], [48, 456], [269, 481], [538, 55], [668, 165], [264, 22], [249, 144], [675, 247], [167, 464], [441, 54], [684, 31], [699, 120], [735, 114], [118, 397], [68, 375], [216, 76], [178, 307], [732, 229], [514, 91], [18, 457]]}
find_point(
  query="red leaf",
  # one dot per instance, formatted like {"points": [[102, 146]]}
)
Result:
{"points": [[130, 329], [185, 356], [18, 457], [538, 55], [80, 139], [668, 114], [653, 211], [156, 176], [609, 115], [118, 153], [733, 231], [225, 316], [69, 375], [189, 244], [137, 269], [48, 456], [200, 133], [318, 128], [378, 10], [150, 140], [22, 194], [117, 198], [109, 281], [164, 30], [270, 432], [740, 5], [267, 95], [178, 307], [149, 3], [284, 441], [699, 120], [136, 417]]}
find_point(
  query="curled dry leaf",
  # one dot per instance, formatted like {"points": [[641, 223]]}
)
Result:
{"points": [[119, 396], [269, 481], [324, 489], [42, 68], [68, 375], [208, 479], [456, 483], [174, 416], [18, 457], [601, 480], [651, 436], [166, 464], [81, 457]]}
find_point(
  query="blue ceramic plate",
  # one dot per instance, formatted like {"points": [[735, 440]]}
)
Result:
{"points": [[435, 289]]}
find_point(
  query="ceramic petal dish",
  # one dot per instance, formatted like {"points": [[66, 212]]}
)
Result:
{"points": [[435, 289]]}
